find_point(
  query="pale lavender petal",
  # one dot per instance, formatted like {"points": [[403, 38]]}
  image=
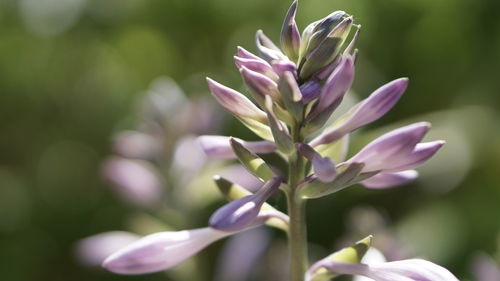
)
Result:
{"points": [[240, 175], [485, 268], [387, 180], [243, 53], [310, 90], [235, 102], [161, 251], [267, 49], [290, 36], [219, 146], [337, 84], [93, 250], [282, 66], [135, 180], [134, 144], [367, 111], [239, 214], [403, 270], [422, 152], [259, 85], [259, 66], [390, 147], [324, 168]]}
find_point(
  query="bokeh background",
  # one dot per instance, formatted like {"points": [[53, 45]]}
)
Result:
{"points": [[73, 71]]}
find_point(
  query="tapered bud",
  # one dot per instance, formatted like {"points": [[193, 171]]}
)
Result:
{"points": [[93, 250], [317, 31], [336, 86], [236, 103], [161, 251], [257, 65], [220, 147], [365, 112], [388, 180], [283, 66], [290, 36], [403, 270], [267, 50], [259, 85], [390, 147], [239, 214], [327, 50], [324, 168], [420, 154], [243, 53]]}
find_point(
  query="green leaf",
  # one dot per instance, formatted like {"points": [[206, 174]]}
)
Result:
{"points": [[347, 173], [232, 191], [252, 161], [352, 254]]}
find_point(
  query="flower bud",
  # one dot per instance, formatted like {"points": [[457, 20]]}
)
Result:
{"points": [[267, 50], [239, 214], [326, 51], [259, 85], [257, 65], [290, 36], [324, 168]]}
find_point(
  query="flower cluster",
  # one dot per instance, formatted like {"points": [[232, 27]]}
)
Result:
{"points": [[295, 90]]}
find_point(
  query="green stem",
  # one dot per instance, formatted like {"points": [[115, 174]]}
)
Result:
{"points": [[297, 240]]}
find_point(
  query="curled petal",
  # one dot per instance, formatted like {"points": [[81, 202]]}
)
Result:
{"points": [[236, 103], [387, 180], [220, 147], [422, 152], [403, 270], [365, 112], [390, 147], [161, 251], [239, 214]]}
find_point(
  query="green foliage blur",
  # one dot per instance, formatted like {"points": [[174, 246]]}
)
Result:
{"points": [[72, 71]]}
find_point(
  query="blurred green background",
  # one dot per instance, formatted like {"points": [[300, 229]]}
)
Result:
{"points": [[72, 71]]}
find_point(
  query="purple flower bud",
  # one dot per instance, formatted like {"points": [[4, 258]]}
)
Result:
{"points": [[93, 250], [283, 66], [135, 180], [336, 86], [267, 50], [219, 146], [365, 112], [310, 90], [161, 251], [290, 36], [403, 270], [324, 168], [422, 152], [387, 180], [259, 85], [236, 103], [239, 214], [259, 66], [390, 147], [243, 53]]}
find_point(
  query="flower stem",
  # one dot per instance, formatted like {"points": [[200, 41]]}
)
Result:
{"points": [[297, 239]]}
